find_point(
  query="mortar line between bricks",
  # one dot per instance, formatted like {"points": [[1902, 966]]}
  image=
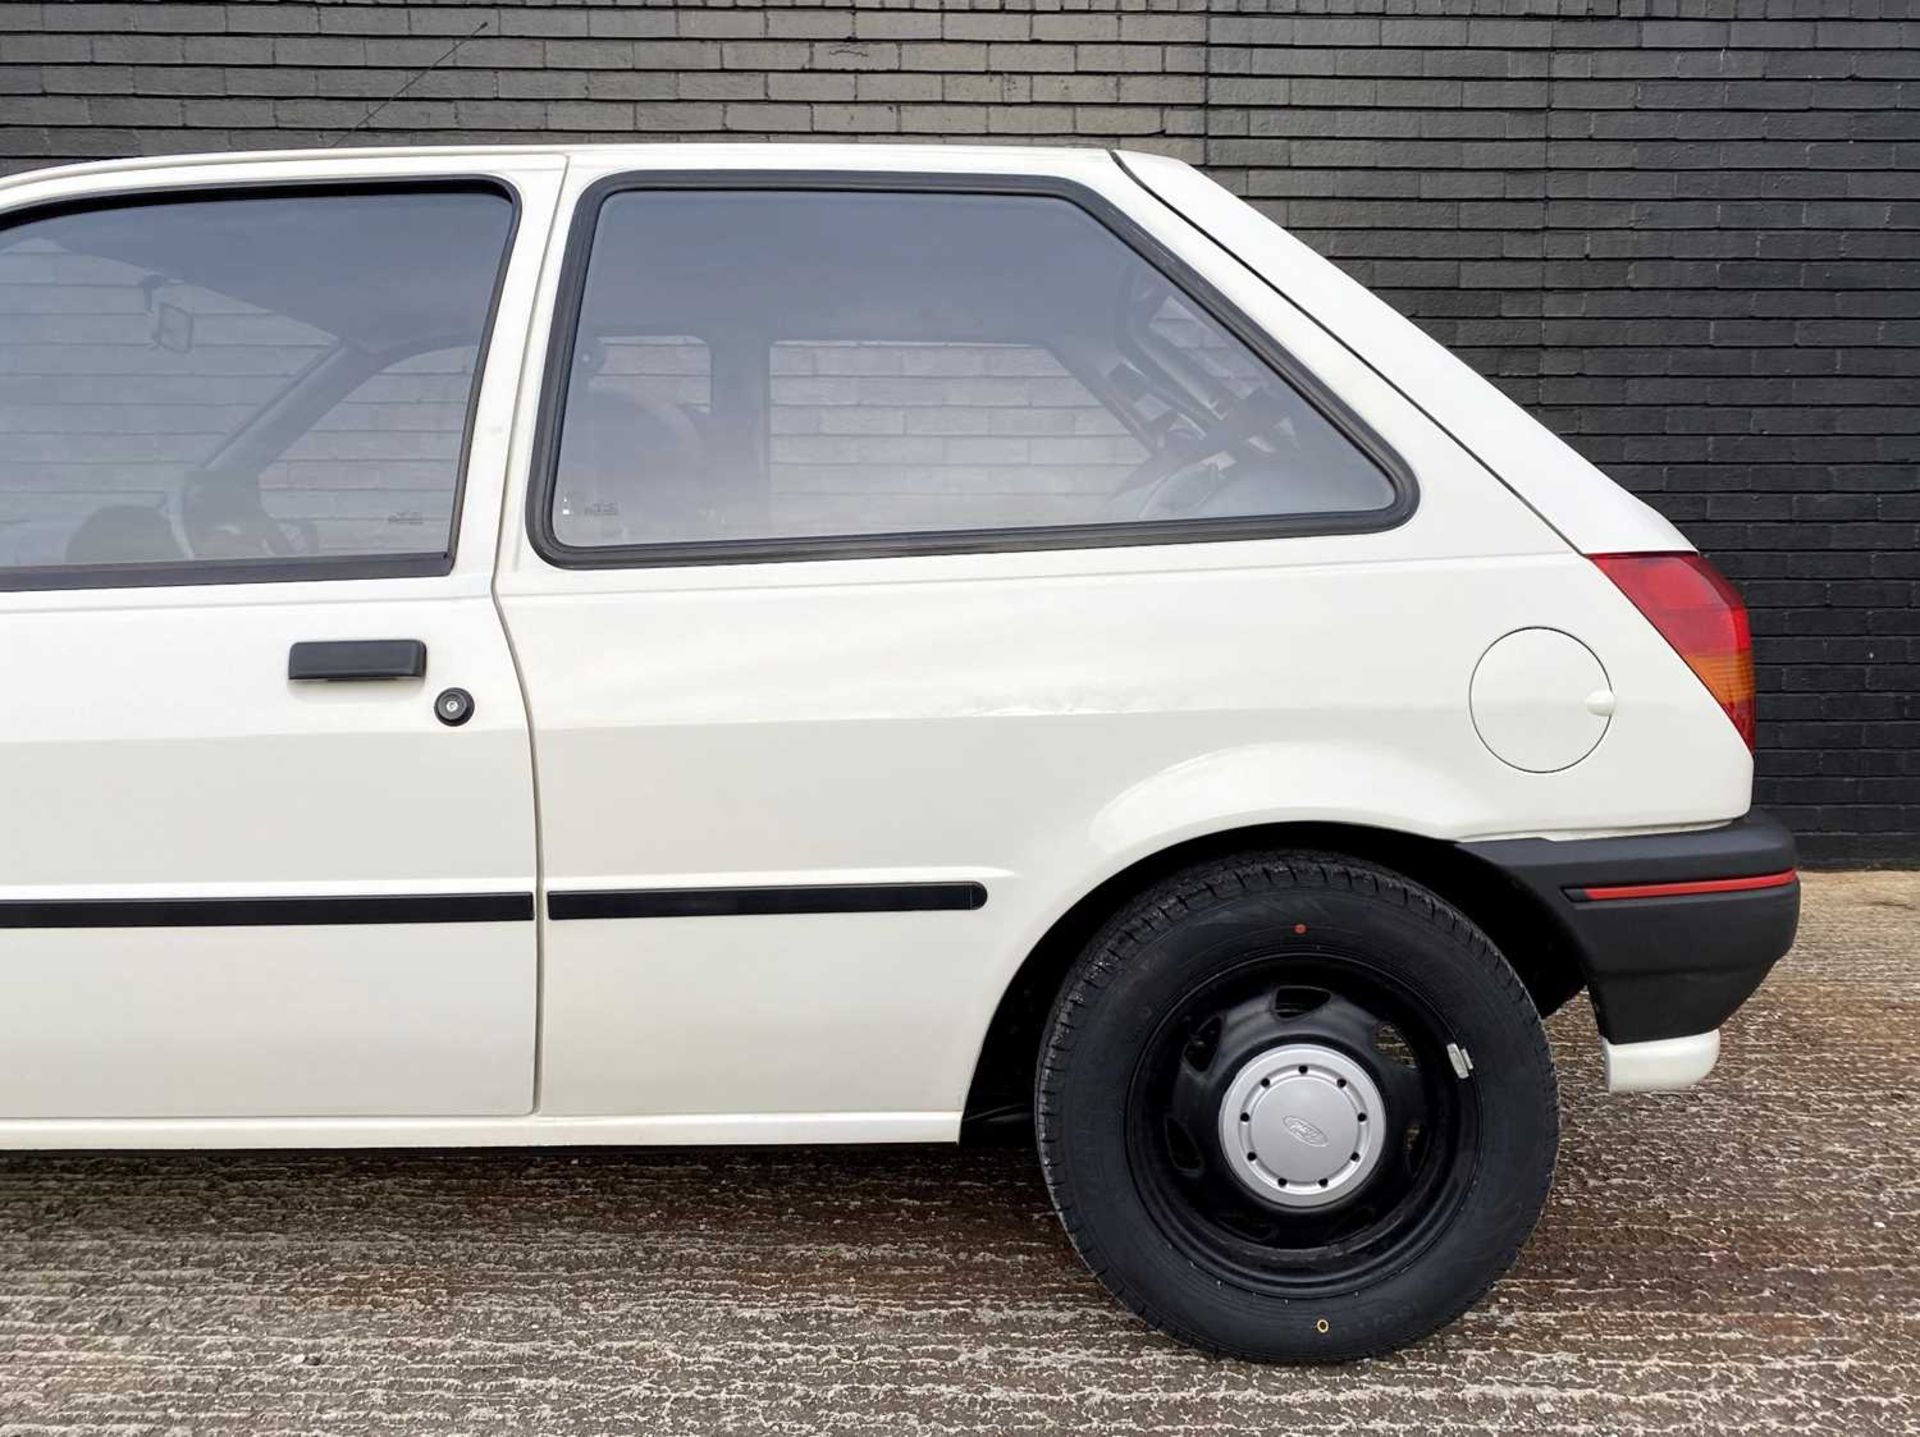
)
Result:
{"points": [[1206, 88]]}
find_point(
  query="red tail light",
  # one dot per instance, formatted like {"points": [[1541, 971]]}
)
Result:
{"points": [[1700, 614]]}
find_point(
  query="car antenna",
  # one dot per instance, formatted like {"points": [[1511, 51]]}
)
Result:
{"points": [[412, 80]]}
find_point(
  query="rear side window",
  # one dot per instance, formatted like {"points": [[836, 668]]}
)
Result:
{"points": [[245, 385], [766, 374]]}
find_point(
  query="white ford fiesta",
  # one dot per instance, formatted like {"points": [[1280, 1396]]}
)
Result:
{"points": [[763, 644]]}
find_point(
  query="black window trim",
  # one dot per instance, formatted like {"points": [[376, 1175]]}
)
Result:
{"points": [[544, 469], [197, 572]]}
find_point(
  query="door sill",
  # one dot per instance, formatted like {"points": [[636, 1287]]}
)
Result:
{"points": [[532, 1130]]}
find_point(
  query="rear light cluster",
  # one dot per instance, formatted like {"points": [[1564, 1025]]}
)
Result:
{"points": [[1700, 614]]}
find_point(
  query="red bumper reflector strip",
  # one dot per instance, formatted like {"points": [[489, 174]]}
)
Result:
{"points": [[1687, 890]]}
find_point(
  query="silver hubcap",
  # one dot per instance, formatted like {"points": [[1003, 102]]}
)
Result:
{"points": [[1302, 1126]]}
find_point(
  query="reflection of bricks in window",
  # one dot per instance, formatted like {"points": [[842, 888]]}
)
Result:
{"points": [[962, 425]]}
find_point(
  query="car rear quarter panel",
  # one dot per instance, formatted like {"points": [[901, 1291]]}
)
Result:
{"points": [[1036, 721]]}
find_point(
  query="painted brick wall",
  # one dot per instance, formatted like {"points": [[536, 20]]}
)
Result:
{"points": [[1687, 232]]}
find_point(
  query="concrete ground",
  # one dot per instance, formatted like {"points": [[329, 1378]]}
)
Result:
{"points": [[1742, 1259]]}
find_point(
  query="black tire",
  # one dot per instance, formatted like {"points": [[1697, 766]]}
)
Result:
{"points": [[1279, 948]]}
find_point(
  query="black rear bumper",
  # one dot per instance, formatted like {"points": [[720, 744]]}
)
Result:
{"points": [[1674, 930]]}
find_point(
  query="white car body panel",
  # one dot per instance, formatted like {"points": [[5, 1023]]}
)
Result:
{"points": [[151, 747], [1035, 721]]}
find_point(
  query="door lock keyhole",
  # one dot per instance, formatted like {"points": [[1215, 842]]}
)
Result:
{"points": [[454, 707]]}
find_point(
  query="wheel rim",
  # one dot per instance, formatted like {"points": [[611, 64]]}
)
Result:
{"points": [[1296, 1125]]}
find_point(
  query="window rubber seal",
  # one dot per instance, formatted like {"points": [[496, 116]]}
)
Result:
{"points": [[198, 573], [544, 469]]}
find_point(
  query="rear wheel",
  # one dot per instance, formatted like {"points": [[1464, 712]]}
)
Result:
{"points": [[1293, 1107]]}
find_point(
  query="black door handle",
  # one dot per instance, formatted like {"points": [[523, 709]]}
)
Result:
{"points": [[341, 659]]}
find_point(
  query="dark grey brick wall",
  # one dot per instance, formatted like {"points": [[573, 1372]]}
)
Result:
{"points": [[1687, 232]]}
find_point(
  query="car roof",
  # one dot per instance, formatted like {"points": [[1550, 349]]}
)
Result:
{"points": [[1010, 159]]}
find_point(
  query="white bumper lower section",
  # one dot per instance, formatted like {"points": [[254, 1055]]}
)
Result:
{"points": [[1661, 1065]]}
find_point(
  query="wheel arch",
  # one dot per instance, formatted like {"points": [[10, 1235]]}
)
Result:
{"points": [[999, 1097]]}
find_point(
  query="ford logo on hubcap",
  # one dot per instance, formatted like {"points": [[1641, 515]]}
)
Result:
{"points": [[1304, 1130]]}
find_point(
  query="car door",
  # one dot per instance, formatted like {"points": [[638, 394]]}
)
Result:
{"points": [[268, 843], [906, 554]]}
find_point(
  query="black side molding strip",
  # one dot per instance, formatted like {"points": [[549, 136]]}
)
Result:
{"points": [[735, 902], [268, 912]]}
